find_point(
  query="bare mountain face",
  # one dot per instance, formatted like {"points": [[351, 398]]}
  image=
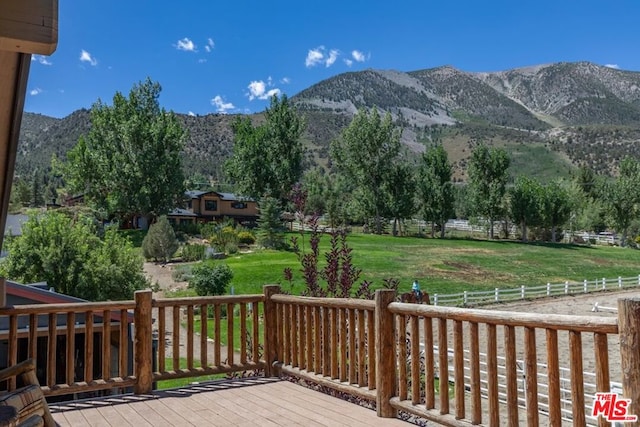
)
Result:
{"points": [[551, 118]]}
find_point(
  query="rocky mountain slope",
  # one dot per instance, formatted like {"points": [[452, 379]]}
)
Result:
{"points": [[551, 117]]}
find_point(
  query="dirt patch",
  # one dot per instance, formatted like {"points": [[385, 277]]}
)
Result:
{"points": [[162, 275]]}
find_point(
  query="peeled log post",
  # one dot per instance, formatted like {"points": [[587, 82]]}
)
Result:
{"points": [[143, 343], [385, 353], [629, 331]]}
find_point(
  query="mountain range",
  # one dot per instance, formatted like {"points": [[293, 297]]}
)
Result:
{"points": [[550, 118]]}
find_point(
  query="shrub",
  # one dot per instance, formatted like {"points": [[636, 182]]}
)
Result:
{"points": [[246, 238], [160, 243], [193, 252], [210, 280]]}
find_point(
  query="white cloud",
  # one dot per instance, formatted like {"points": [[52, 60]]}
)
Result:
{"points": [[202, 60], [186, 44], [87, 57], [36, 91], [616, 66], [348, 62], [333, 55], [222, 107], [41, 59], [358, 56], [191, 113], [320, 55], [285, 80], [258, 90], [210, 45], [314, 57]]}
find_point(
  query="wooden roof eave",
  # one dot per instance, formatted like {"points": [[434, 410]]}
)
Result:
{"points": [[26, 27]]}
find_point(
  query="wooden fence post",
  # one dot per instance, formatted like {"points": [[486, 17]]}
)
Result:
{"points": [[143, 343], [629, 332], [386, 374], [271, 349]]}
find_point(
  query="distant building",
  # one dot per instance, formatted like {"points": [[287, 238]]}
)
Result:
{"points": [[206, 206]]}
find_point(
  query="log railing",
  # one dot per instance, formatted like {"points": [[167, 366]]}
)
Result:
{"points": [[78, 347], [237, 319], [440, 363], [330, 341]]}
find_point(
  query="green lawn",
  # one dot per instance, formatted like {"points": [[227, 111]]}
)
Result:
{"points": [[445, 266], [236, 331], [182, 382]]}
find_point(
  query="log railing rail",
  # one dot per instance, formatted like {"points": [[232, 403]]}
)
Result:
{"points": [[450, 365]]}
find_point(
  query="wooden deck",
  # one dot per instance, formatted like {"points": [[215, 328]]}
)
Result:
{"points": [[246, 402]]}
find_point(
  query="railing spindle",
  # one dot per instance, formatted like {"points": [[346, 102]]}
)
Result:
{"points": [[458, 369], [204, 335], [333, 344], [230, 337], [476, 397], [217, 335], [371, 349], [429, 364], [308, 311], [175, 338], [124, 343], [88, 346], [106, 344], [443, 361], [343, 344], [302, 334], [601, 348], [287, 334], [512, 375], [255, 312], [33, 336], [12, 357], [362, 362], [553, 378], [70, 347], [293, 320], [531, 375], [492, 376], [415, 360], [317, 342], [243, 333], [352, 346], [401, 324], [190, 335], [577, 378], [162, 340]]}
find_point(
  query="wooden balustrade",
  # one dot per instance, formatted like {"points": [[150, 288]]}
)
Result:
{"points": [[449, 365], [329, 341]]}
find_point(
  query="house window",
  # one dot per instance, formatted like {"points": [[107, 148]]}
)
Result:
{"points": [[189, 205], [211, 205], [239, 205]]}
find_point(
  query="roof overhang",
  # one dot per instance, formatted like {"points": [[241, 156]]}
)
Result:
{"points": [[26, 27]]}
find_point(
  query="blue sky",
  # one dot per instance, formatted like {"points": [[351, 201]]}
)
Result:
{"points": [[214, 56]]}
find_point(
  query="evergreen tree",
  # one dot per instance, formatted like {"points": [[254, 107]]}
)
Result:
{"points": [[160, 243], [37, 192], [270, 229]]}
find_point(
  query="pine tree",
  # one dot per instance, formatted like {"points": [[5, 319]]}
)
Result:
{"points": [[270, 227], [160, 243]]}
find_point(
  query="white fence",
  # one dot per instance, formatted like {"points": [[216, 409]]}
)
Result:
{"points": [[543, 383], [467, 298]]}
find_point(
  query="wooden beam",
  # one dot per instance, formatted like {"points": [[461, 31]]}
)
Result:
{"points": [[14, 71], [29, 26]]}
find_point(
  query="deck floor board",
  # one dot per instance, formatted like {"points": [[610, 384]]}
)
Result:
{"points": [[247, 402]]}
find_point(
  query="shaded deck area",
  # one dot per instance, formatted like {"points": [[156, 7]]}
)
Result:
{"points": [[244, 402]]}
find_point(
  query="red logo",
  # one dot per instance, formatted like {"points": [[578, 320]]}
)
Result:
{"points": [[612, 407]]}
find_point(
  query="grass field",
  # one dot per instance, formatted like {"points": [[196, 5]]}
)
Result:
{"points": [[445, 266]]}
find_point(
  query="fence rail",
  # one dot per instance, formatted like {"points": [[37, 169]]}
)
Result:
{"points": [[367, 349], [471, 298]]}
